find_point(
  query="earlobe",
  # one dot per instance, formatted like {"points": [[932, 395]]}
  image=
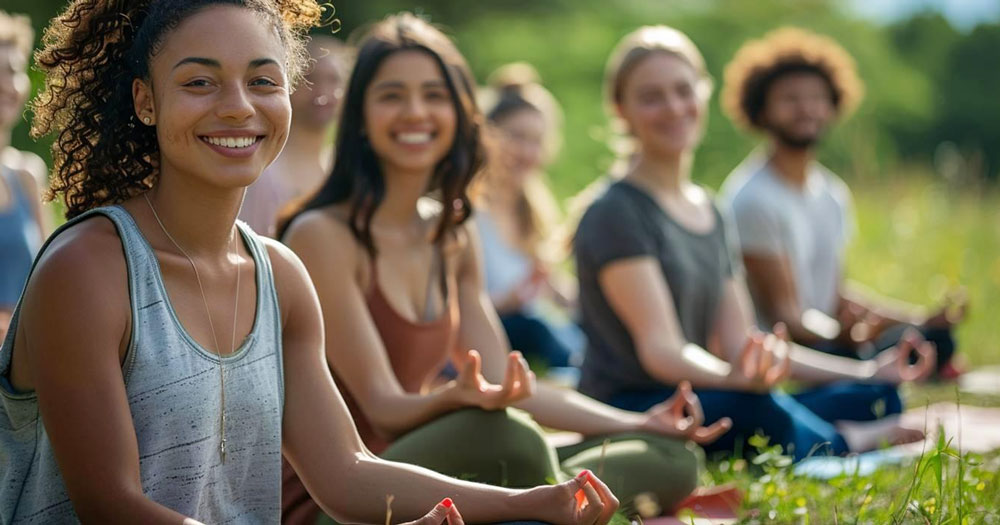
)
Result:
{"points": [[142, 100]]}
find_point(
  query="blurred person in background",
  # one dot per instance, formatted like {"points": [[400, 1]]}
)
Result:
{"points": [[795, 217], [662, 296], [22, 221], [308, 153], [516, 216]]}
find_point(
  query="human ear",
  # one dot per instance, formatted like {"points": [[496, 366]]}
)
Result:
{"points": [[142, 101]]}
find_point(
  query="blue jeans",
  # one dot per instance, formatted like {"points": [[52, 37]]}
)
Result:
{"points": [[535, 338], [802, 423]]}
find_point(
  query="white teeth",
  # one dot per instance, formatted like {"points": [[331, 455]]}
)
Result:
{"points": [[232, 142], [414, 138]]}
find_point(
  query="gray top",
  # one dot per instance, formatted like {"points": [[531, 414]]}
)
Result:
{"points": [[625, 223], [173, 393], [810, 226]]}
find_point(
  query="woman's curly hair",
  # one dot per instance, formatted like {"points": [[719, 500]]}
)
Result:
{"points": [[91, 54], [759, 63]]}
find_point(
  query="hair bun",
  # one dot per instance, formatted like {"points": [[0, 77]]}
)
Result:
{"points": [[513, 78]]}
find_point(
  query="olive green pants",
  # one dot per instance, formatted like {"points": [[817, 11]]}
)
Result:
{"points": [[507, 448]]}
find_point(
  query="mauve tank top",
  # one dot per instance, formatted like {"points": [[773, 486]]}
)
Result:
{"points": [[417, 352]]}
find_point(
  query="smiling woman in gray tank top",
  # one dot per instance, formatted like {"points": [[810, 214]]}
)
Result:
{"points": [[163, 357]]}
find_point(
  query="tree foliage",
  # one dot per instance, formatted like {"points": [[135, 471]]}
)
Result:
{"points": [[927, 83]]}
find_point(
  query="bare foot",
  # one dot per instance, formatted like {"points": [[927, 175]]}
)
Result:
{"points": [[862, 436], [903, 435]]}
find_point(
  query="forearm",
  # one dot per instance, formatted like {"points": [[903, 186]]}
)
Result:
{"points": [[812, 327], [414, 490], [812, 366], [809, 327], [692, 363], [398, 413], [893, 311], [130, 507], [566, 409]]}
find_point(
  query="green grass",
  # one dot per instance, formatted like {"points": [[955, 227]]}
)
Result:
{"points": [[943, 486], [917, 237]]}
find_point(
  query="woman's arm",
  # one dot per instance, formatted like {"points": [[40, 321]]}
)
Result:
{"points": [[351, 484], [551, 406], [817, 367], [73, 329]]}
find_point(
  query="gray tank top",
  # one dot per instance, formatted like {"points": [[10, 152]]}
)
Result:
{"points": [[173, 393]]}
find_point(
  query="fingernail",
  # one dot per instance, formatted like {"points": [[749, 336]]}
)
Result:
{"points": [[583, 474], [447, 503]]}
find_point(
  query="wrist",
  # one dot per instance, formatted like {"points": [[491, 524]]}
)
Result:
{"points": [[531, 503], [631, 422], [451, 396]]}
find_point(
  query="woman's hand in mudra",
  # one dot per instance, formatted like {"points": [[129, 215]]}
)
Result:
{"points": [[472, 389]]}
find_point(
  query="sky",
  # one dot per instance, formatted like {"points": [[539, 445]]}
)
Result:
{"points": [[963, 14]]}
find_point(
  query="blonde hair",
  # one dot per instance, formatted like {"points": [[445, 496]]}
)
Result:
{"points": [[756, 65], [16, 30], [636, 46], [630, 51]]}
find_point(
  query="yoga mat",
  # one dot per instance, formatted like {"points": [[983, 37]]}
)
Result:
{"points": [[971, 429]]}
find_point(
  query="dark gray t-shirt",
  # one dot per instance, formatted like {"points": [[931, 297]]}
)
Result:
{"points": [[625, 223]]}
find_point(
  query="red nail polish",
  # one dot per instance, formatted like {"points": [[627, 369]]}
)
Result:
{"points": [[583, 474], [447, 503]]}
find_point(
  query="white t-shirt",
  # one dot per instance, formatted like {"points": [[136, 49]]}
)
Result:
{"points": [[810, 225], [506, 267]]}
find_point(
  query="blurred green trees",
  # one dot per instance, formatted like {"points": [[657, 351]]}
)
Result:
{"points": [[927, 83]]}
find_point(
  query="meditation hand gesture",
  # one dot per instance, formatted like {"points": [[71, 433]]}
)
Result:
{"points": [[681, 416], [473, 389], [893, 365], [583, 500], [444, 512], [764, 361]]}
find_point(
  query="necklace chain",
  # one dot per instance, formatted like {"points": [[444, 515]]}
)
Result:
{"points": [[218, 348]]}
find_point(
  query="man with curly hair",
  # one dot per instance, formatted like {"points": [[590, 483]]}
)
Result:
{"points": [[794, 217]]}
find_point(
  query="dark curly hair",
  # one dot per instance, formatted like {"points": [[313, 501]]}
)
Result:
{"points": [[91, 54], [356, 176], [759, 63]]}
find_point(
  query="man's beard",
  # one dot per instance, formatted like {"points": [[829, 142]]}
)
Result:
{"points": [[791, 141]]}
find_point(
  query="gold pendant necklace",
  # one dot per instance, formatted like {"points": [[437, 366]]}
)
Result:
{"points": [[218, 348]]}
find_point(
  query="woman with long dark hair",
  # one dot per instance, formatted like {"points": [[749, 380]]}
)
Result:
{"points": [[397, 269], [163, 356]]}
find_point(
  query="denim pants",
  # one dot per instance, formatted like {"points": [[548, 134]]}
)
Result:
{"points": [[802, 423]]}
